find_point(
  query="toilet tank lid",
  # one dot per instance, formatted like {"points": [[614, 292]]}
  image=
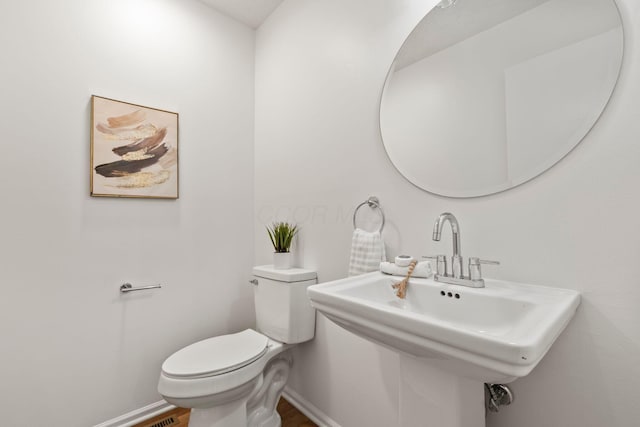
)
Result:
{"points": [[288, 275]]}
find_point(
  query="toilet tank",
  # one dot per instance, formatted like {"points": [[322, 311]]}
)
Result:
{"points": [[283, 310]]}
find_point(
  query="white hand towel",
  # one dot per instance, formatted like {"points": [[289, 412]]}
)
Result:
{"points": [[367, 251], [423, 269]]}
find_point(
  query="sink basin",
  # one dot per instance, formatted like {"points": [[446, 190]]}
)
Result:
{"points": [[493, 334]]}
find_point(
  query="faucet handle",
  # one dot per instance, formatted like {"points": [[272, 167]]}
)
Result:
{"points": [[475, 260], [441, 263], [475, 273]]}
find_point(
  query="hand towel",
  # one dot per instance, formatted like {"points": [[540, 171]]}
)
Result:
{"points": [[423, 269], [367, 251]]}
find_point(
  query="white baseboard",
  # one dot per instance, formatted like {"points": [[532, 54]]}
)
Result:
{"points": [[138, 415], [307, 408]]}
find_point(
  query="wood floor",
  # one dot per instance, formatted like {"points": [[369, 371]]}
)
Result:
{"points": [[179, 417], [291, 417]]}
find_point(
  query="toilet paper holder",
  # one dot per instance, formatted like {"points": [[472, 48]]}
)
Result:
{"points": [[126, 287]]}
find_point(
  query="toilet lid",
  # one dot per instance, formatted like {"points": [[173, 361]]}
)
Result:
{"points": [[217, 355]]}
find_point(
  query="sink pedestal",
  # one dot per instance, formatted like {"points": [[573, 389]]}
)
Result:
{"points": [[433, 397]]}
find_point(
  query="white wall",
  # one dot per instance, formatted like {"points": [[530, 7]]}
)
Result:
{"points": [[320, 67], [74, 351]]}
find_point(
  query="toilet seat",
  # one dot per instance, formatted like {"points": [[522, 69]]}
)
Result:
{"points": [[216, 356]]}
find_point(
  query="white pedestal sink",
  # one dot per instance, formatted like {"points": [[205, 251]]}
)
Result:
{"points": [[451, 339]]}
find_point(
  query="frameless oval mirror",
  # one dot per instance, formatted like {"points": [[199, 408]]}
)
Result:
{"points": [[484, 95]]}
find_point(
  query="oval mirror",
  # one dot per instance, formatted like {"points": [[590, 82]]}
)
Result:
{"points": [[484, 95]]}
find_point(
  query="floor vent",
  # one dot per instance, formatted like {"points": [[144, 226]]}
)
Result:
{"points": [[164, 423]]}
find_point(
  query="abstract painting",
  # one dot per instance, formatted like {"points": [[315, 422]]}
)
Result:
{"points": [[134, 150]]}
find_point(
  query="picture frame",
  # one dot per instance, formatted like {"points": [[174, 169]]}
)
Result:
{"points": [[134, 150]]}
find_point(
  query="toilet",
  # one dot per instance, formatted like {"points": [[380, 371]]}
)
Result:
{"points": [[236, 380]]}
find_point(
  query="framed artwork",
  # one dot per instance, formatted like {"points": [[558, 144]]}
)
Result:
{"points": [[134, 150]]}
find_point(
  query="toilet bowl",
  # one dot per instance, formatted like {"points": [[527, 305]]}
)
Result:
{"points": [[235, 380]]}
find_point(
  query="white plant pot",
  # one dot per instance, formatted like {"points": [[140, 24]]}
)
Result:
{"points": [[282, 260]]}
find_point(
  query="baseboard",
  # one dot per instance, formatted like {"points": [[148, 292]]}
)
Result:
{"points": [[138, 415], [307, 408]]}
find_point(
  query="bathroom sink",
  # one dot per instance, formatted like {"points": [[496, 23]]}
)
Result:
{"points": [[493, 334]]}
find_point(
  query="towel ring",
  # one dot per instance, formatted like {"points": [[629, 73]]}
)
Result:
{"points": [[372, 202]]}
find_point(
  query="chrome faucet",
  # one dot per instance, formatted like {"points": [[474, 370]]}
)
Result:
{"points": [[456, 259], [474, 278]]}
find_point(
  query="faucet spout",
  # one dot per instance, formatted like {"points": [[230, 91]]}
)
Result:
{"points": [[456, 264], [455, 230]]}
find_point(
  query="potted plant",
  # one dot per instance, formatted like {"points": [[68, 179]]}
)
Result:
{"points": [[281, 235]]}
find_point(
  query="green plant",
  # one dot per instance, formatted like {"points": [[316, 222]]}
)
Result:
{"points": [[281, 235]]}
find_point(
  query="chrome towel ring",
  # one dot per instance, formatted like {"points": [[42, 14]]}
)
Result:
{"points": [[372, 202]]}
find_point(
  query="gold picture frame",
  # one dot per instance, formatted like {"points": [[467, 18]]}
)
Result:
{"points": [[134, 150]]}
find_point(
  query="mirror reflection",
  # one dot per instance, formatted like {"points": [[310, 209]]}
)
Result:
{"points": [[486, 94]]}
